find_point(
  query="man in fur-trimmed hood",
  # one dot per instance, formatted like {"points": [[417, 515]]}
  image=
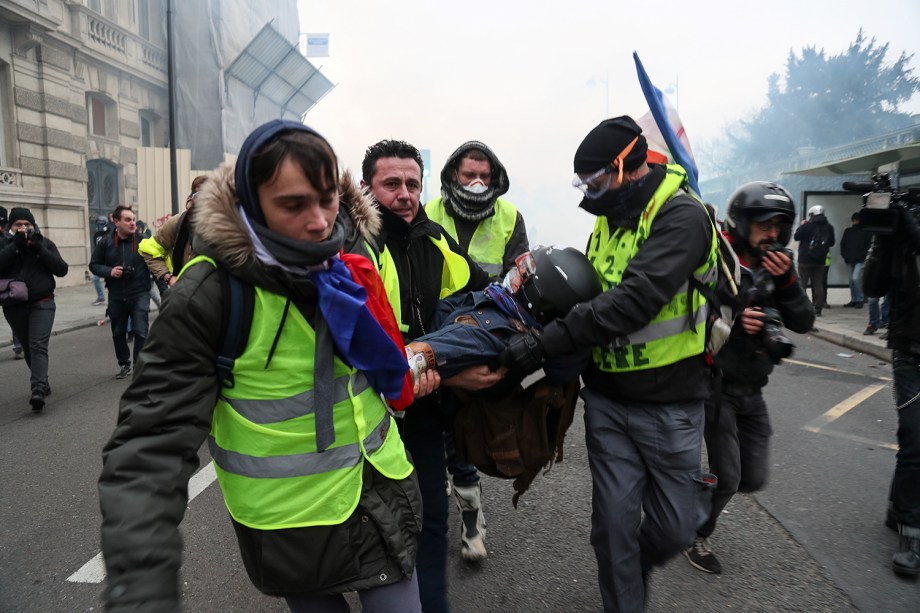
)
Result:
{"points": [[471, 209], [318, 348]]}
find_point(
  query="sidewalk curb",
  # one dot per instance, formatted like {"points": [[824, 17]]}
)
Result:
{"points": [[851, 342], [78, 325]]}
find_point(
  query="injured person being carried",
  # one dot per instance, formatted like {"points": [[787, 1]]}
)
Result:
{"points": [[508, 431], [472, 328]]}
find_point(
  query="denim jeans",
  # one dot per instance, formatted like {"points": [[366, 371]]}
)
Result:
{"points": [[876, 318], [905, 487], [135, 308], [855, 275], [97, 284]]}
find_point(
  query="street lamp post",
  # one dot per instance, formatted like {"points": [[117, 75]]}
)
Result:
{"points": [[606, 81]]}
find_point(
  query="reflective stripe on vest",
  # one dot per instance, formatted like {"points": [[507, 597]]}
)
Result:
{"points": [[263, 438], [492, 234], [298, 465], [281, 409], [672, 335], [455, 275]]}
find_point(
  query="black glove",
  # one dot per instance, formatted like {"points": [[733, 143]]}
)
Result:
{"points": [[524, 353], [20, 240], [36, 241]]}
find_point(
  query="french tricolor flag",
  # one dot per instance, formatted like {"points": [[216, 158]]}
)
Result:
{"points": [[663, 129]]}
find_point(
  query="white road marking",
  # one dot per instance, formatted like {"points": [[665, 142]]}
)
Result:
{"points": [[820, 423], [831, 368], [94, 570]]}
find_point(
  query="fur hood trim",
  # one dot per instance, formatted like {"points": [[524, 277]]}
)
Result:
{"points": [[218, 223]]}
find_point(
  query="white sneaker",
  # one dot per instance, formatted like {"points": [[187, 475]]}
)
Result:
{"points": [[472, 522]]}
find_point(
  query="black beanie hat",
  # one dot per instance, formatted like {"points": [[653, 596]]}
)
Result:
{"points": [[18, 212], [3, 219], [605, 142]]}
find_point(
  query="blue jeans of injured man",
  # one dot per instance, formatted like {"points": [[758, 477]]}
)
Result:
{"points": [[643, 457], [905, 486]]}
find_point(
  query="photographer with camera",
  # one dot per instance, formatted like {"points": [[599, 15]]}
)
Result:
{"points": [[893, 268], [29, 257], [737, 432], [116, 260]]}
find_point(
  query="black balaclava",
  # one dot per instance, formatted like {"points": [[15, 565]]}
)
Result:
{"points": [[462, 203]]}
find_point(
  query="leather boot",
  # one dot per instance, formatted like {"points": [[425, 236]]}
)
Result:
{"points": [[906, 560], [473, 522]]}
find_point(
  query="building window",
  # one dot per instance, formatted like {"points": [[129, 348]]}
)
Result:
{"points": [[101, 114], [150, 123], [143, 19], [5, 115]]}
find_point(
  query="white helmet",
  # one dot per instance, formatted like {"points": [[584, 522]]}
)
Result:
{"points": [[816, 210]]}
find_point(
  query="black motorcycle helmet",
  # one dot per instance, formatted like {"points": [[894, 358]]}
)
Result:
{"points": [[759, 201], [563, 277]]}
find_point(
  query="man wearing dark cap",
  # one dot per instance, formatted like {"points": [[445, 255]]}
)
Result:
{"points": [[17, 346], [27, 256], [645, 389]]}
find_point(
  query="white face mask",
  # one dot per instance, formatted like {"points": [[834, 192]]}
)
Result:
{"points": [[476, 186]]}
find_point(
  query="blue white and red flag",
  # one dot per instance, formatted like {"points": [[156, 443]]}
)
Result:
{"points": [[663, 129]]}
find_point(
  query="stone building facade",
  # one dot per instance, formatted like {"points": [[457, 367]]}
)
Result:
{"points": [[82, 87]]}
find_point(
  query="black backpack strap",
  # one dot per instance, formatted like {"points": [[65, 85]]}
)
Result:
{"points": [[182, 236], [238, 301]]}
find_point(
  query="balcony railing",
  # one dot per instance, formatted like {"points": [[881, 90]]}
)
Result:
{"points": [[106, 35], [10, 178], [113, 41]]}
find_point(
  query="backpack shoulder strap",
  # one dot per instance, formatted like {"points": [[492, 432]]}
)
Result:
{"points": [[181, 242], [238, 302]]}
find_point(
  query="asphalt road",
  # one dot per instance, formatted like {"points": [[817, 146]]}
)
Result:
{"points": [[813, 541]]}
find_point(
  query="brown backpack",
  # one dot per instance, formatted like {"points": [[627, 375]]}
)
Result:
{"points": [[516, 436]]}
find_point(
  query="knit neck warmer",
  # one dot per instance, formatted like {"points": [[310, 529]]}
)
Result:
{"points": [[466, 205], [294, 256]]}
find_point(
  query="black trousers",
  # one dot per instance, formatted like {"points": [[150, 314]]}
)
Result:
{"points": [[31, 323]]}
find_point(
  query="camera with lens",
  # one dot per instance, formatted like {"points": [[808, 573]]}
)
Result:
{"points": [[881, 203], [776, 344], [780, 248]]}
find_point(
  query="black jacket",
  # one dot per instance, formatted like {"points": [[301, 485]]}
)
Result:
{"points": [[36, 264], [854, 245], [742, 360], [419, 265], [804, 233], [893, 269], [112, 251], [679, 242]]}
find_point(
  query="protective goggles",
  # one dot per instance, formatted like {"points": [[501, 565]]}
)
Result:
{"points": [[589, 186], [524, 267]]}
